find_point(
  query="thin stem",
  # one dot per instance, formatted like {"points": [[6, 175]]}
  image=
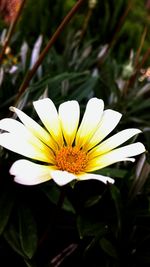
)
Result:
{"points": [[86, 22], [11, 30], [58, 259], [52, 40], [145, 58], [137, 69], [118, 28], [140, 46], [137, 65]]}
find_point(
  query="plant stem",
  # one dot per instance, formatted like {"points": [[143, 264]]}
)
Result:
{"points": [[11, 30], [118, 28], [140, 46], [52, 40], [86, 22], [137, 66]]}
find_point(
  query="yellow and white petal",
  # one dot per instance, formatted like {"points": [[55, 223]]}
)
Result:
{"points": [[28, 173], [48, 114], [109, 121], [35, 128], [19, 131], [113, 142], [93, 176], [22, 138], [26, 147], [90, 121], [69, 113], [116, 155], [16, 128], [62, 177]]}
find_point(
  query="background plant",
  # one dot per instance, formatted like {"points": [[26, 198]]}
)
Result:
{"points": [[101, 53]]}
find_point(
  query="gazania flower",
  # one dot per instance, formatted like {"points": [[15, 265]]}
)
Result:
{"points": [[65, 149]]}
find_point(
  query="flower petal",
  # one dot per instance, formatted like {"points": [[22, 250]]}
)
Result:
{"points": [[69, 113], [62, 177], [12, 126], [28, 142], [26, 146], [20, 131], [90, 121], [116, 155], [47, 112], [113, 142], [92, 176], [35, 128], [29, 173], [108, 122]]}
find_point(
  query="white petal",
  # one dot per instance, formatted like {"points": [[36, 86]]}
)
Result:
{"points": [[90, 176], [108, 122], [47, 112], [116, 155], [90, 121], [34, 128], [29, 173], [113, 142], [26, 147], [22, 141], [69, 113], [12, 126], [20, 133], [62, 177]]}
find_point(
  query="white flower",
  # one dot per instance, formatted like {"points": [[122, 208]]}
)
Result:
{"points": [[65, 149]]}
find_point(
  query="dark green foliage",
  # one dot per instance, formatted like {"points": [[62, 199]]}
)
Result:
{"points": [[84, 223]]}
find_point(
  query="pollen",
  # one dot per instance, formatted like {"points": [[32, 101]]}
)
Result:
{"points": [[71, 159]]}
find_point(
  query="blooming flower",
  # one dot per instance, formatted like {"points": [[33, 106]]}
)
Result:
{"points": [[66, 150]]}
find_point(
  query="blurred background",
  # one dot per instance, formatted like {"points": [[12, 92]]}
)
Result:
{"points": [[104, 51]]}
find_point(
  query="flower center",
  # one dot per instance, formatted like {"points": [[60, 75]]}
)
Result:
{"points": [[71, 159]]}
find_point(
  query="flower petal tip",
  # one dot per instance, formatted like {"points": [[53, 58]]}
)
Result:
{"points": [[11, 108], [141, 148], [110, 181], [29, 173], [62, 177]]}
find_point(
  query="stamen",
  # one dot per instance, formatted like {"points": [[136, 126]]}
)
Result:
{"points": [[71, 159]]}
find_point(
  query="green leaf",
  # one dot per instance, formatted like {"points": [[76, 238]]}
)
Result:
{"points": [[90, 228], [27, 231], [84, 89], [68, 206], [53, 193], [139, 105], [113, 172], [116, 196], [11, 236], [6, 205], [109, 248], [115, 193], [29, 263], [92, 201], [54, 83]]}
